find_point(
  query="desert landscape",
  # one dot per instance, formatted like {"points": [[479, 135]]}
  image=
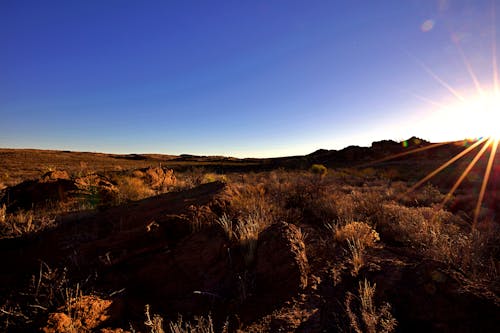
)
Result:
{"points": [[330, 241], [249, 166]]}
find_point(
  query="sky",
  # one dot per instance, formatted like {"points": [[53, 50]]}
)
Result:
{"points": [[238, 78]]}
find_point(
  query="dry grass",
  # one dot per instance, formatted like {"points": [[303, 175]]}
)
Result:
{"points": [[24, 222], [365, 316], [356, 236], [201, 324], [358, 231], [357, 255], [133, 188], [339, 200]]}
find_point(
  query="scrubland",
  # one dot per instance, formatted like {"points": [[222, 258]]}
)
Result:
{"points": [[153, 249]]}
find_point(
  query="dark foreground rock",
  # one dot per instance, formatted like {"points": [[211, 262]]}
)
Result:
{"points": [[281, 264]]}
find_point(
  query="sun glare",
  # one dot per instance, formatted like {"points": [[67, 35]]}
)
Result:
{"points": [[485, 111], [474, 117]]}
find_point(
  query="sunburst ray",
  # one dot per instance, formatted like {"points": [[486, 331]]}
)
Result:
{"points": [[443, 83], [494, 49], [405, 153], [468, 65], [486, 178], [445, 165], [465, 173]]}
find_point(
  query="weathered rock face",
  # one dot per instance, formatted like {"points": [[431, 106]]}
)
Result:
{"points": [[34, 193], [109, 238], [58, 187], [96, 190], [191, 277], [281, 262]]}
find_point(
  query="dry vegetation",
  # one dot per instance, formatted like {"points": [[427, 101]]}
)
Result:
{"points": [[350, 222]]}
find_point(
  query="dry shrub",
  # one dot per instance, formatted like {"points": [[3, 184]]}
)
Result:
{"points": [[200, 325], [367, 203], [155, 324], [365, 316], [213, 177], [319, 170], [358, 231], [425, 196], [132, 188], [247, 231], [357, 236], [143, 184], [442, 236], [426, 227], [81, 314], [3, 211], [23, 222], [160, 179], [252, 200], [138, 174], [357, 252], [226, 223]]}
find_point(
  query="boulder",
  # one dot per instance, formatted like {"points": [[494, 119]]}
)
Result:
{"points": [[281, 261]]}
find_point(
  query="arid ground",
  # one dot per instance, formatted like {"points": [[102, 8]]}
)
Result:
{"points": [[334, 241]]}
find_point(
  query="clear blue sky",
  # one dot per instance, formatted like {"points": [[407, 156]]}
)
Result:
{"points": [[240, 78]]}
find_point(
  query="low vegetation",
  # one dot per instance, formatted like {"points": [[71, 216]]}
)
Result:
{"points": [[354, 225]]}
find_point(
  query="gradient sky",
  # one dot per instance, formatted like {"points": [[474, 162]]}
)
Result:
{"points": [[239, 78]]}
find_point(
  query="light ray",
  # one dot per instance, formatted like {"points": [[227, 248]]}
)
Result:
{"points": [[468, 65], [440, 81], [429, 101], [494, 48], [485, 182], [413, 151], [445, 165], [465, 173]]}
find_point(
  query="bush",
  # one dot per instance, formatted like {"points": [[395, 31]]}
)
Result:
{"points": [[319, 169], [358, 231]]}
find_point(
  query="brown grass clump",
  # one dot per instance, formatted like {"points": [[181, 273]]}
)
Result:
{"points": [[200, 324], [159, 179], [3, 211], [213, 177], [365, 316], [358, 231], [133, 188], [81, 313], [357, 236], [23, 222]]}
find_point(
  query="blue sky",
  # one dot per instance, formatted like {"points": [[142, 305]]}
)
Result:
{"points": [[239, 78]]}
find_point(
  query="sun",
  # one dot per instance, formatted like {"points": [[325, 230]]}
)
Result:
{"points": [[484, 114], [473, 116]]}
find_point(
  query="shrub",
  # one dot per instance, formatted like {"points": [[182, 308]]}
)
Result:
{"points": [[3, 211], [213, 177], [159, 179], [319, 169], [365, 317], [358, 231], [132, 188]]}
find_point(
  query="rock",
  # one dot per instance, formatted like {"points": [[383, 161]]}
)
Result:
{"points": [[281, 262], [54, 175], [115, 238], [36, 193], [58, 187], [195, 271], [96, 189]]}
